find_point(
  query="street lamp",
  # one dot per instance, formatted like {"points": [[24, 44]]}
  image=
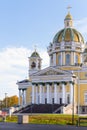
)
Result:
{"points": [[73, 81], [79, 65], [5, 100]]}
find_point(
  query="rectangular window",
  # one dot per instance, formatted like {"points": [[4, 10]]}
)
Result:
{"points": [[85, 97]]}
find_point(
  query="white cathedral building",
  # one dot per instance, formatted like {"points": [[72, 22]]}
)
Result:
{"points": [[64, 81]]}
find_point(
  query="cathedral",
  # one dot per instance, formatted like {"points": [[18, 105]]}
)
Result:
{"points": [[64, 81]]}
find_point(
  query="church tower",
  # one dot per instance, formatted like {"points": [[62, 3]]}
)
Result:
{"points": [[34, 62]]}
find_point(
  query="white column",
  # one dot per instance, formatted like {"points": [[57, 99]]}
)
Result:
{"points": [[61, 58], [25, 97], [48, 93], [63, 93], [19, 96], [36, 94], [55, 93], [74, 58], [22, 97], [81, 59], [71, 92], [33, 94], [40, 93], [51, 94], [43, 95], [54, 59]]}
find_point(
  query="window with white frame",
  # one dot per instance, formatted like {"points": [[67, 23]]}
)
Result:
{"points": [[85, 97], [67, 59]]}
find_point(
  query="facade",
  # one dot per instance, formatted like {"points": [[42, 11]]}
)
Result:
{"points": [[65, 80]]}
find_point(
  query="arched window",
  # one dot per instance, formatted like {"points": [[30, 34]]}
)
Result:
{"points": [[59, 59], [76, 59], [33, 65], [67, 59]]}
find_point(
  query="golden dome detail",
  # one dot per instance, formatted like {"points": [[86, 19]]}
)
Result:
{"points": [[67, 35], [68, 16]]}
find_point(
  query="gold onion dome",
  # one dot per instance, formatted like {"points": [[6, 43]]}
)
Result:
{"points": [[68, 16], [68, 33]]}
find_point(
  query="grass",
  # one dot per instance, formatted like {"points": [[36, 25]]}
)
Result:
{"points": [[10, 119], [48, 119], [51, 119]]}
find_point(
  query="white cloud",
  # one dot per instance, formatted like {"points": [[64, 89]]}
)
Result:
{"points": [[45, 58], [14, 66]]}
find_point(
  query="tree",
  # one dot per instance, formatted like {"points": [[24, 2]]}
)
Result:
{"points": [[10, 101]]}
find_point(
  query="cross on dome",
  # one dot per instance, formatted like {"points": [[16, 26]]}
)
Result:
{"points": [[68, 8], [35, 47]]}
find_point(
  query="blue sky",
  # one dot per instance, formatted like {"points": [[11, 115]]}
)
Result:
{"points": [[25, 23]]}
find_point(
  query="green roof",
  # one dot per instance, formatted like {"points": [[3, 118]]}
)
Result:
{"points": [[35, 54]]}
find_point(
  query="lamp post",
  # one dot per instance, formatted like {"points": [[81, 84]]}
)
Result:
{"points": [[5, 100], [79, 65], [73, 81]]}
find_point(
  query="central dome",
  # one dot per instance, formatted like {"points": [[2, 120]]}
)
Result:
{"points": [[67, 35]]}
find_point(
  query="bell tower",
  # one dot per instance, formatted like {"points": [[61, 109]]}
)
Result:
{"points": [[34, 62]]}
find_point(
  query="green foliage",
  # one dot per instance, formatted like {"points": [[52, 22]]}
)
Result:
{"points": [[9, 102]]}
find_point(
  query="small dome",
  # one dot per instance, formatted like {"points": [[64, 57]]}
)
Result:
{"points": [[35, 54], [68, 17], [67, 35]]}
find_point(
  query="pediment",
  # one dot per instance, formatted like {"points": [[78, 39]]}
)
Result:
{"points": [[51, 71]]}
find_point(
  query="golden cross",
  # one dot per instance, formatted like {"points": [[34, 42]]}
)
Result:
{"points": [[69, 7]]}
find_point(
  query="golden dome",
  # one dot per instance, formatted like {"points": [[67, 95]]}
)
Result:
{"points": [[67, 35], [68, 16]]}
